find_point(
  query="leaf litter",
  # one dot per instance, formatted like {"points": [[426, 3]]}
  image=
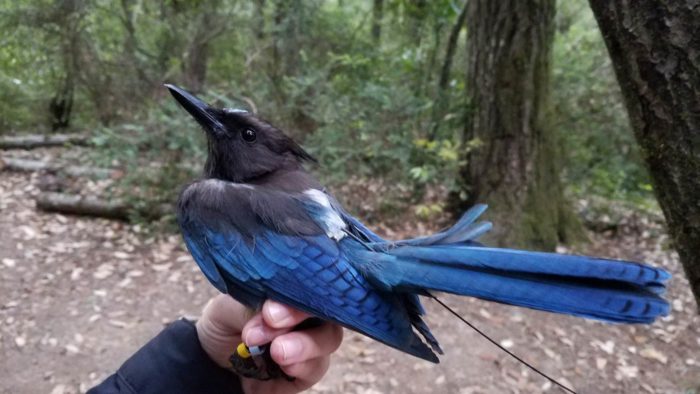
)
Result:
{"points": [[83, 294]]}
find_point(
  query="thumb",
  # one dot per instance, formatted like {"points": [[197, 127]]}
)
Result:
{"points": [[226, 315], [219, 328]]}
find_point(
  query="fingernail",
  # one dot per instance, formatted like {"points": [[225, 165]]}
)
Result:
{"points": [[291, 349], [278, 313], [255, 336]]}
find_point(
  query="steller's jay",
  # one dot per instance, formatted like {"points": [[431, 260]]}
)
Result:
{"points": [[261, 227]]}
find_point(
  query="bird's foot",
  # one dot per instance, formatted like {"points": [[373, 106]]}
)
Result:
{"points": [[255, 362]]}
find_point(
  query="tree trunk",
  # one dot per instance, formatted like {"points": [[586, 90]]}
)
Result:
{"points": [[377, 17], [513, 165], [195, 72], [61, 104], [446, 70], [654, 48], [259, 21], [452, 47], [416, 15]]}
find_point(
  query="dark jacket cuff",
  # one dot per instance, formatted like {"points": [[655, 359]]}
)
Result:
{"points": [[172, 362]]}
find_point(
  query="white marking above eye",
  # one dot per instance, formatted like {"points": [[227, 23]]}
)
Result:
{"points": [[235, 111]]}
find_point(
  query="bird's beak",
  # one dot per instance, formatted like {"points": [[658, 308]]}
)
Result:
{"points": [[198, 109]]}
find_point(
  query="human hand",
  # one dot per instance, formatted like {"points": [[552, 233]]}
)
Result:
{"points": [[304, 355]]}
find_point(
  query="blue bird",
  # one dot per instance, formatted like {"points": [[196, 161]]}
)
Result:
{"points": [[261, 227]]}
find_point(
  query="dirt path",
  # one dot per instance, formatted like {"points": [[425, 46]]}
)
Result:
{"points": [[79, 295]]}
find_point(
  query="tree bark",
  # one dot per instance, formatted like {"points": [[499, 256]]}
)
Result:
{"points": [[655, 46], [514, 161]]}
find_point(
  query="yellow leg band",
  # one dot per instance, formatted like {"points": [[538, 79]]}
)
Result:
{"points": [[242, 350]]}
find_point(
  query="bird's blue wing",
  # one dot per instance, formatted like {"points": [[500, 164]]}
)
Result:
{"points": [[310, 272]]}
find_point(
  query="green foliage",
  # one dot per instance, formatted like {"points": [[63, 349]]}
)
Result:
{"points": [[437, 157], [364, 108], [602, 157], [157, 154]]}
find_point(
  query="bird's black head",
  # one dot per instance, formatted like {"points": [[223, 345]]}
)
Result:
{"points": [[242, 147]]}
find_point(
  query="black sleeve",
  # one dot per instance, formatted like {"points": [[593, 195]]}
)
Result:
{"points": [[173, 362]]}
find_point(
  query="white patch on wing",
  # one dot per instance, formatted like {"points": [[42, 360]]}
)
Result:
{"points": [[334, 224]]}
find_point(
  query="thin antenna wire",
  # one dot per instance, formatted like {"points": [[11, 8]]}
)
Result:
{"points": [[501, 347]]}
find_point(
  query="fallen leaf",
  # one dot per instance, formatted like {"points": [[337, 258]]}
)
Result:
{"points": [[121, 255], [134, 273], [104, 271], [483, 312], [161, 267], [9, 263], [75, 274], [72, 349], [626, 371], [600, 363], [59, 389], [507, 343], [654, 354]]}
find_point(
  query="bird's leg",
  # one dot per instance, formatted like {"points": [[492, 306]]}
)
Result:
{"points": [[255, 362]]}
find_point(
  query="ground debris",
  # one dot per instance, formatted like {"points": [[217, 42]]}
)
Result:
{"points": [[89, 292]]}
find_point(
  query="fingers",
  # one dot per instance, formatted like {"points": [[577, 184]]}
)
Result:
{"points": [[257, 332], [275, 320], [308, 372], [301, 346], [281, 316]]}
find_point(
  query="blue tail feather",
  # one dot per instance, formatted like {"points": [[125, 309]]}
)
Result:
{"points": [[604, 289], [451, 261], [463, 231], [520, 261], [593, 296]]}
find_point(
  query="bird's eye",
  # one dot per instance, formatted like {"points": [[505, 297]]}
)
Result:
{"points": [[249, 135]]}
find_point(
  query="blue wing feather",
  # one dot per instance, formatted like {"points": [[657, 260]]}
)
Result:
{"points": [[310, 273]]}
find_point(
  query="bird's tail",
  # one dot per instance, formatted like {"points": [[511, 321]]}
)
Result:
{"points": [[610, 290]]}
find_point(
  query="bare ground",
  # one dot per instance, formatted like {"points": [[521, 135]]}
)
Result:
{"points": [[79, 295]]}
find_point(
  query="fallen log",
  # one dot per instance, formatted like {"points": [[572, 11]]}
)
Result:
{"points": [[75, 204], [32, 141], [82, 205], [24, 165]]}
